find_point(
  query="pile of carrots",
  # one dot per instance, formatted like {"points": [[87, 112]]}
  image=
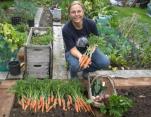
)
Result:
{"points": [[45, 95], [53, 103], [45, 105]]}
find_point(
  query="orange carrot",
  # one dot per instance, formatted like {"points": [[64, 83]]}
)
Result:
{"points": [[68, 104], [84, 60], [76, 106], [43, 105], [64, 105], [55, 102], [87, 62], [59, 101], [50, 107], [46, 104], [52, 99], [70, 99], [49, 100], [87, 106]]}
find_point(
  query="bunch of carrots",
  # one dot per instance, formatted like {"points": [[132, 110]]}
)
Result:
{"points": [[93, 42], [86, 57]]}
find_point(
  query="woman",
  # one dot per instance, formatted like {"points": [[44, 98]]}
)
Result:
{"points": [[75, 35]]}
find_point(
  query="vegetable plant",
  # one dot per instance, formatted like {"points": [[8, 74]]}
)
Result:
{"points": [[116, 105], [42, 38]]}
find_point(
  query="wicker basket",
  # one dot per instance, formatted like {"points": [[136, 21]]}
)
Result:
{"points": [[110, 87]]}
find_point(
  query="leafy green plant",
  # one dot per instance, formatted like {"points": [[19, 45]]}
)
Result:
{"points": [[11, 36], [42, 39], [25, 9], [97, 87], [116, 105]]}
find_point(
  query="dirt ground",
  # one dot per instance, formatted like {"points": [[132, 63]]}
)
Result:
{"points": [[142, 101]]}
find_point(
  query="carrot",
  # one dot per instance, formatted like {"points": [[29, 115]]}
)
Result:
{"points": [[23, 104], [70, 99], [50, 107], [46, 104], [87, 62], [82, 106], [55, 102], [52, 99], [64, 105], [84, 60], [68, 104], [39, 104], [59, 101], [35, 106], [76, 107], [27, 103], [43, 105], [49, 100], [88, 107]]}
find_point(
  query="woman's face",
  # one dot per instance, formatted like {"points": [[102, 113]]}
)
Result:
{"points": [[76, 13]]}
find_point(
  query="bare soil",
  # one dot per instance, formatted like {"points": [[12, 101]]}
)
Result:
{"points": [[142, 101]]}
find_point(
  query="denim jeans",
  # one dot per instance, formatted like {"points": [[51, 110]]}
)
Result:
{"points": [[98, 59]]}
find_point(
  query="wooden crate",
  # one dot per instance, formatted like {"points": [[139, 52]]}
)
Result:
{"points": [[38, 53], [38, 69], [38, 57]]}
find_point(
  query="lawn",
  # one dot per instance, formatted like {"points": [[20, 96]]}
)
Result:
{"points": [[128, 11]]}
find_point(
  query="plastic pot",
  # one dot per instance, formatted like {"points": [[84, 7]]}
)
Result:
{"points": [[14, 67]]}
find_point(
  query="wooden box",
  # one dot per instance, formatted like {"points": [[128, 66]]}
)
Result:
{"points": [[38, 57]]}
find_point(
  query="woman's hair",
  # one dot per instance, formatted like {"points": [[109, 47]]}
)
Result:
{"points": [[75, 2]]}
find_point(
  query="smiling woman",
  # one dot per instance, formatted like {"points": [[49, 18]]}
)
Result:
{"points": [[76, 34]]}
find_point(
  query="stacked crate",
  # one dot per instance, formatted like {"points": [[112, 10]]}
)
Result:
{"points": [[38, 57]]}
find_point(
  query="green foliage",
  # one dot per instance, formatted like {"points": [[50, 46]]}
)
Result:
{"points": [[131, 28], [97, 87], [25, 9], [5, 51], [116, 106], [13, 38], [46, 3], [64, 7], [33, 88], [43, 39], [116, 47], [21, 27], [3, 16]]}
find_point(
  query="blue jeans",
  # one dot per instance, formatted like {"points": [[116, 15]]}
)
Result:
{"points": [[99, 61]]}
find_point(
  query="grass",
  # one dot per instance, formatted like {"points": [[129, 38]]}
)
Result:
{"points": [[128, 11]]}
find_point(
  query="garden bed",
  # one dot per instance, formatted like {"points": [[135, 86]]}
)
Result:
{"points": [[142, 101], [18, 112], [139, 94]]}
